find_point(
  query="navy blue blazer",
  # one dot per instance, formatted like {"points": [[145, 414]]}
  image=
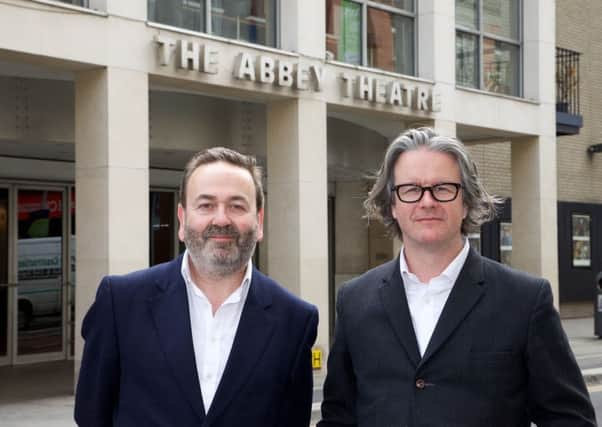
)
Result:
{"points": [[138, 366], [498, 356]]}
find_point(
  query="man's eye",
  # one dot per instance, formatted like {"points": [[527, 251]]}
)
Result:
{"points": [[205, 206], [411, 190], [238, 208], [443, 189]]}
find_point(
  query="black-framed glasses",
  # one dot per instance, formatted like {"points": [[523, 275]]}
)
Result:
{"points": [[412, 193]]}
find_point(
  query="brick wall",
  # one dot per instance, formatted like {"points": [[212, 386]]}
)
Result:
{"points": [[493, 162], [578, 28]]}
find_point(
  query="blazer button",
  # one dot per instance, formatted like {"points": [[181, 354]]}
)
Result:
{"points": [[420, 383]]}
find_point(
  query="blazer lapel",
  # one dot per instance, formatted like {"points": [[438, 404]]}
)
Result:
{"points": [[395, 303], [466, 292], [254, 331], [171, 317]]}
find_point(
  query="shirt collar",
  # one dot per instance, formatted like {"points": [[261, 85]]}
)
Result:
{"points": [[451, 272], [234, 297]]}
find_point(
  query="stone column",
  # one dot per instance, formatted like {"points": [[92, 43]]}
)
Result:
{"points": [[304, 22], [111, 180], [297, 193], [534, 208], [437, 58], [534, 180]]}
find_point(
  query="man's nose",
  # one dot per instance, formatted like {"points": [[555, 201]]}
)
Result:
{"points": [[427, 199], [221, 216]]}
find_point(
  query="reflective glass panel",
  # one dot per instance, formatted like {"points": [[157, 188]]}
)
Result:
{"points": [[467, 14], [248, 20], [39, 251], [71, 284], [581, 240], [390, 41], [407, 5], [3, 271], [500, 67], [162, 226], [506, 243], [82, 3], [500, 17], [344, 31], [467, 60], [188, 14]]}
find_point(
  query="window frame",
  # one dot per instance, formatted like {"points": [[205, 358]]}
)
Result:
{"points": [[481, 35], [365, 4], [208, 24]]}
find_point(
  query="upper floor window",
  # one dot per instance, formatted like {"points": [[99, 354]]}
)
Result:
{"points": [[82, 3], [248, 20], [375, 33], [488, 45]]}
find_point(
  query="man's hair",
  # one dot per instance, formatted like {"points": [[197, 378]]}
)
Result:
{"points": [[222, 154], [481, 206]]}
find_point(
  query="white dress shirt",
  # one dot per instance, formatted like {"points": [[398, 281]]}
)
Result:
{"points": [[213, 336], [426, 300]]}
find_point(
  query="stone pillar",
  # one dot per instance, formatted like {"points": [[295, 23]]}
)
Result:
{"points": [[111, 180], [437, 59], [297, 193], [304, 22], [534, 208], [534, 191]]}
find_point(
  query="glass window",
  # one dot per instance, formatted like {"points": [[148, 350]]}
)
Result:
{"points": [[343, 31], [82, 3], [488, 45], [581, 240], [398, 4], [40, 271], [501, 18], [467, 60], [249, 20], [3, 272], [162, 226], [188, 14], [506, 243], [467, 14], [386, 40], [500, 67], [390, 41]]}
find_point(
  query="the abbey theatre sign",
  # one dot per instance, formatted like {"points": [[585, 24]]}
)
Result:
{"points": [[297, 75]]}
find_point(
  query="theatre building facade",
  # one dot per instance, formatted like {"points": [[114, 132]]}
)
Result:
{"points": [[103, 101]]}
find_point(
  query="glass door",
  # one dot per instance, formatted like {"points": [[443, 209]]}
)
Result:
{"points": [[4, 277], [41, 281]]}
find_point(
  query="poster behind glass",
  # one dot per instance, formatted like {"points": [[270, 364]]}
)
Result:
{"points": [[581, 240]]}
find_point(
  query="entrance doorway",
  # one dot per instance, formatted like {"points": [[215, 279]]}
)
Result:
{"points": [[36, 298]]}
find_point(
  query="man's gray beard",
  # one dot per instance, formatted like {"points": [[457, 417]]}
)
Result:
{"points": [[220, 259]]}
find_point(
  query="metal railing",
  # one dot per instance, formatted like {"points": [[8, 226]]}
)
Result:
{"points": [[567, 81]]}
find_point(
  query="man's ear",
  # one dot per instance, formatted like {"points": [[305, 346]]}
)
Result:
{"points": [[182, 221], [260, 225]]}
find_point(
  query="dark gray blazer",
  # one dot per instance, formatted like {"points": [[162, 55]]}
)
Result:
{"points": [[498, 356]]}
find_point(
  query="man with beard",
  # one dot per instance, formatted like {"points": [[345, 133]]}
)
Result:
{"points": [[206, 339]]}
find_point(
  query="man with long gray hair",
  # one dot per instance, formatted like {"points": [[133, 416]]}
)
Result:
{"points": [[441, 336]]}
